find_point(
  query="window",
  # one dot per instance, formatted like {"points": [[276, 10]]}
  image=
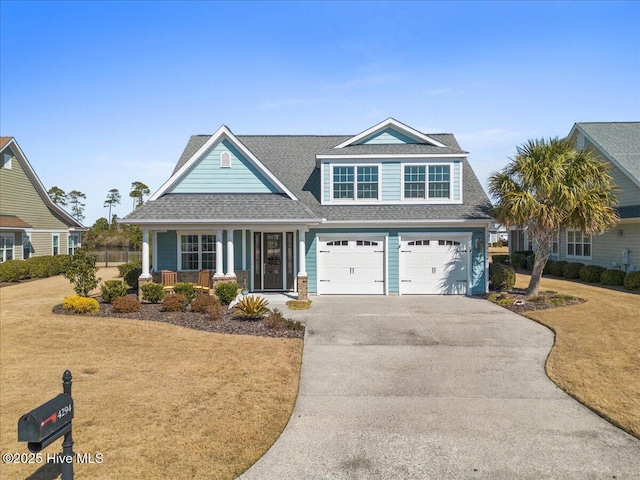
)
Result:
{"points": [[351, 183], [422, 181], [366, 243], [197, 252], [6, 161], [554, 244], [6, 246], [419, 242], [225, 160], [578, 244], [26, 246], [448, 242], [338, 243], [55, 244], [73, 243]]}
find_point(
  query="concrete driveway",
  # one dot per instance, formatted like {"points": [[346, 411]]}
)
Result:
{"points": [[436, 387]]}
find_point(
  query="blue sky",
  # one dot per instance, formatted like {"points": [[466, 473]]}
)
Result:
{"points": [[101, 94]]}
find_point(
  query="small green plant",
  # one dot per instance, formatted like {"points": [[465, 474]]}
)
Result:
{"points": [[186, 289], [504, 259], [557, 301], [557, 267], [126, 304], [632, 281], [571, 271], [501, 277], [13, 271], [227, 292], [112, 289], [82, 272], [612, 277], [78, 304], [504, 302], [591, 273], [174, 302], [203, 302], [519, 261], [153, 292], [291, 325], [252, 307], [537, 299]]}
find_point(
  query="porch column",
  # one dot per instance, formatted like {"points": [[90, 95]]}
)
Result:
{"points": [[145, 254], [219, 271], [302, 280], [231, 273]]}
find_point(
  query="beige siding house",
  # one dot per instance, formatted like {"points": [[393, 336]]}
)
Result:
{"points": [[618, 144], [30, 223]]}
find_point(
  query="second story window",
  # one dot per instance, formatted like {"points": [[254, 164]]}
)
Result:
{"points": [[422, 181], [355, 183]]}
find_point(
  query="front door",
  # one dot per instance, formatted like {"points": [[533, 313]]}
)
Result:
{"points": [[273, 267]]}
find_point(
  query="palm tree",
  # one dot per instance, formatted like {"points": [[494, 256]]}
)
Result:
{"points": [[549, 186], [113, 198]]}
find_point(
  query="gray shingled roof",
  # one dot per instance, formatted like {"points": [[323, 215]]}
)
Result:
{"points": [[447, 139], [292, 159], [629, 211], [621, 140]]}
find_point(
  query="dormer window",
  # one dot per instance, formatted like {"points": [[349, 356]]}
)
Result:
{"points": [[355, 182], [422, 181], [225, 160]]}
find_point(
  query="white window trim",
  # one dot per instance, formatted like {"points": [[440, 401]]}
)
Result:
{"points": [[224, 164], [53, 236], [77, 245], [199, 233], [13, 248], [566, 244], [428, 199], [355, 200], [6, 161]]}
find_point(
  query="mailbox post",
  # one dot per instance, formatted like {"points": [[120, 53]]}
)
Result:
{"points": [[48, 422]]}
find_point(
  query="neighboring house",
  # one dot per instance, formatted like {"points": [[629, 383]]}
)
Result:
{"points": [[498, 233], [618, 144], [388, 211], [30, 223]]}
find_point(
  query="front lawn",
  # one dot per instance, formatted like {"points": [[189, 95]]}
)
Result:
{"points": [[596, 356], [155, 399]]}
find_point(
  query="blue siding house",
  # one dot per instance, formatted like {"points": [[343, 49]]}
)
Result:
{"points": [[390, 211]]}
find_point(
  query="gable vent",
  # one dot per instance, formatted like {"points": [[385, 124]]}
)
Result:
{"points": [[225, 160]]}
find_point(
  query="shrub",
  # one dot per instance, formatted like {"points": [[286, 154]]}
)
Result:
{"points": [[153, 292], [60, 263], [186, 289], [126, 304], [612, 277], [275, 320], [571, 270], [547, 267], [174, 303], [216, 312], [82, 272], [519, 261], [503, 259], [591, 273], [13, 270], [291, 325], [112, 289], [202, 303], [127, 267], [556, 268], [131, 277], [47, 265], [252, 307], [632, 281], [501, 277], [526, 253], [77, 304], [226, 292]]}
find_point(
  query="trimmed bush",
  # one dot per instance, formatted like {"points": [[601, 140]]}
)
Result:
{"points": [[501, 277], [503, 259], [519, 261], [632, 281], [174, 302], [153, 292], [612, 277], [47, 265], [203, 302], [547, 267], [127, 267], [216, 312], [112, 289], [571, 270], [591, 273], [77, 304], [227, 292], [126, 304], [13, 271], [131, 277], [556, 268], [186, 289]]}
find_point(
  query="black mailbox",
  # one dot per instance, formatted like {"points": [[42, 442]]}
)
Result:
{"points": [[45, 424]]}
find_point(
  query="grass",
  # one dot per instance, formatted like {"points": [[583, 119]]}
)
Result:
{"points": [[299, 304], [157, 400], [596, 356]]}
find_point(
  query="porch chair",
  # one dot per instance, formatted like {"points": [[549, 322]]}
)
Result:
{"points": [[169, 279], [204, 281]]}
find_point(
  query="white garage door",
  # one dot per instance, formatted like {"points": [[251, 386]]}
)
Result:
{"points": [[433, 265], [351, 266]]}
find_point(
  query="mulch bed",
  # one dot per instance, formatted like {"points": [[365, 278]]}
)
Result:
{"points": [[519, 303], [228, 323]]}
